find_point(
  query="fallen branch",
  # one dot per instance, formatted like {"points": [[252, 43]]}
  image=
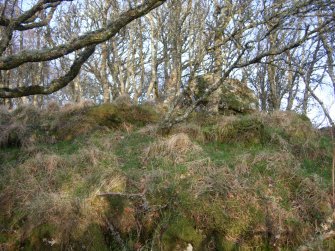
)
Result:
{"points": [[145, 204], [127, 195]]}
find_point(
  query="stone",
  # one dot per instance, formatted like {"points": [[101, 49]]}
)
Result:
{"points": [[233, 96]]}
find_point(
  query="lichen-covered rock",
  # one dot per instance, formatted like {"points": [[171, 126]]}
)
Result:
{"points": [[233, 96]]}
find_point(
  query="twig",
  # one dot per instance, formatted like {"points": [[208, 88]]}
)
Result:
{"points": [[145, 203], [128, 195]]}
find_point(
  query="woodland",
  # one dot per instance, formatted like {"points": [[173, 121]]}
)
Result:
{"points": [[167, 125]]}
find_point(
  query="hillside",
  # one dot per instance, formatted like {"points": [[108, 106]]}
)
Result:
{"points": [[85, 177]]}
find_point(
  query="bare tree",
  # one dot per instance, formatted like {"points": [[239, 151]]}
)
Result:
{"points": [[269, 44], [86, 43], [246, 31]]}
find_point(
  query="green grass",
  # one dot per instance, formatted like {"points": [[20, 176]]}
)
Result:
{"points": [[130, 148], [66, 147], [217, 197], [227, 153], [219, 153], [9, 155], [322, 168]]}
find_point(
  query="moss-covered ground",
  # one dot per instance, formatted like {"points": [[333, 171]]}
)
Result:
{"points": [[102, 178]]}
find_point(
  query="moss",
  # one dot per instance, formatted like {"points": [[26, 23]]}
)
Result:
{"points": [[222, 198], [179, 233], [41, 238], [247, 130], [113, 116], [92, 239]]}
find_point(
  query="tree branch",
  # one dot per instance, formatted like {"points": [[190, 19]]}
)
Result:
{"points": [[55, 84], [90, 38]]}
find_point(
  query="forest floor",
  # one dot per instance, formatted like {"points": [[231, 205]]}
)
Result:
{"points": [[85, 177]]}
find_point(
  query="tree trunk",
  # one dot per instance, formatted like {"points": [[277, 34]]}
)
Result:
{"points": [[154, 65]]}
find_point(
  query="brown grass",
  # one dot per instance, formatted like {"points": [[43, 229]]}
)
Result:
{"points": [[123, 100], [18, 127], [277, 202], [59, 193], [232, 129], [52, 106], [176, 148], [27, 125], [191, 129], [297, 127], [251, 197], [150, 129]]}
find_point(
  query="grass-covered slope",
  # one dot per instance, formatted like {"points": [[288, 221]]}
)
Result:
{"points": [[102, 178]]}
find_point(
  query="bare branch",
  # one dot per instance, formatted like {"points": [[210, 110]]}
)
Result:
{"points": [[90, 38], [55, 85]]}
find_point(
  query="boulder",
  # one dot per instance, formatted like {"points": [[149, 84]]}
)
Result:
{"points": [[232, 97]]}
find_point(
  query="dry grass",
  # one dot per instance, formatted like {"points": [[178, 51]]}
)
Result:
{"points": [[193, 130], [19, 127], [264, 195], [27, 125], [58, 192], [297, 128], [150, 129], [175, 149], [245, 197], [232, 129], [52, 106], [123, 100], [4, 114], [289, 130]]}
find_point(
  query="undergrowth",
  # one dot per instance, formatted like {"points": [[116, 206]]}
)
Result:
{"points": [[102, 178]]}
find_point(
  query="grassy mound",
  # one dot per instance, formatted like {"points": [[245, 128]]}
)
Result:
{"points": [[51, 195], [101, 178], [28, 125]]}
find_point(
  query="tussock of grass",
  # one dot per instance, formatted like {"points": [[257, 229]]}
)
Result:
{"points": [[288, 130], [259, 198], [295, 128], [246, 130], [193, 130], [28, 125], [176, 148], [150, 130], [101, 177], [19, 127], [58, 191]]}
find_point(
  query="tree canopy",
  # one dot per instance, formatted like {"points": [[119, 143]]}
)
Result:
{"points": [[152, 49]]}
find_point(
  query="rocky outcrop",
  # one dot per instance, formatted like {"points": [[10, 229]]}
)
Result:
{"points": [[232, 97]]}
